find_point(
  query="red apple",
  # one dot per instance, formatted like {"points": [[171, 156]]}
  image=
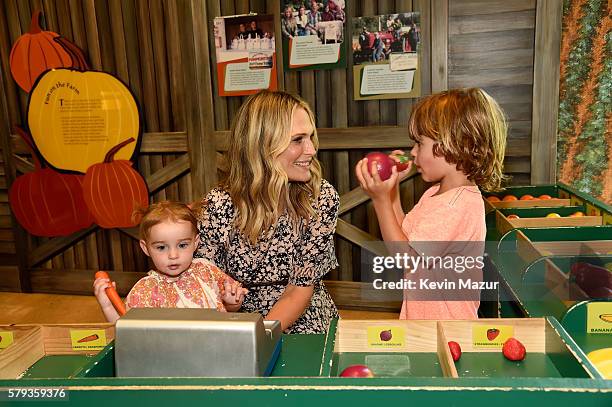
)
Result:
{"points": [[357, 371], [383, 164], [594, 280], [385, 335]]}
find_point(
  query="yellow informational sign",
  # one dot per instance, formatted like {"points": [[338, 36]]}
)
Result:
{"points": [[6, 339], [88, 339], [77, 117], [491, 336], [386, 336], [599, 318]]}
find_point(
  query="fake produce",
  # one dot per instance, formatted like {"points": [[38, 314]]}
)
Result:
{"points": [[357, 371], [455, 350], [386, 335], [595, 281], [492, 333], [514, 350], [112, 294], [384, 163]]}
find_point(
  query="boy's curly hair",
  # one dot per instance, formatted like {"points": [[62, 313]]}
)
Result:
{"points": [[469, 129]]}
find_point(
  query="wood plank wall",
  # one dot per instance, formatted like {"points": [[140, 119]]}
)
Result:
{"points": [[485, 43], [491, 45]]}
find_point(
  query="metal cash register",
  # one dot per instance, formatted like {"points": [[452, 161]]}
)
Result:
{"points": [[182, 342]]}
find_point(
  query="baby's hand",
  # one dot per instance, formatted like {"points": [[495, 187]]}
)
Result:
{"points": [[233, 293], [100, 285]]}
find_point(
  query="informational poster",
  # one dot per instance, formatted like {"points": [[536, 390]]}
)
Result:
{"points": [[313, 34], [386, 56], [246, 56]]}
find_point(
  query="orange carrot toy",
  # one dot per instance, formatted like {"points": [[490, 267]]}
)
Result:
{"points": [[112, 293]]}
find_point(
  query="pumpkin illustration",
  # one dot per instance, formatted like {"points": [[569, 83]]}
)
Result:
{"points": [[34, 52], [46, 202], [113, 189], [76, 117], [76, 54]]}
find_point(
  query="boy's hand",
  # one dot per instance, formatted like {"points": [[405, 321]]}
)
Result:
{"points": [[233, 293], [100, 285], [371, 183]]}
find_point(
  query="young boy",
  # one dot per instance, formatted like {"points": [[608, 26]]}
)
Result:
{"points": [[460, 140], [168, 232]]}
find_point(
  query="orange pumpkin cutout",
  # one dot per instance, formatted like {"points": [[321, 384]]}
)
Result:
{"points": [[46, 202], [35, 52], [113, 189]]}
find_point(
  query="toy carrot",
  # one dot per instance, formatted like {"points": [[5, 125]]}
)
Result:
{"points": [[112, 294], [88, 338]]}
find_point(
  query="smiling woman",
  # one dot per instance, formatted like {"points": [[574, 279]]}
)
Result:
{"points": [[270, 224]]}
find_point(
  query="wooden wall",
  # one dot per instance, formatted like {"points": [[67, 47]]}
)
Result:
{"points": [[160, 48]]}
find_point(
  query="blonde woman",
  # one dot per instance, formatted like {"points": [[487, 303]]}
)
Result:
{"points": [[270, 223]]}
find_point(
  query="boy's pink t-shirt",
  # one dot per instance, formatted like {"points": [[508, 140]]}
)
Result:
{"points": [[456, 215]]}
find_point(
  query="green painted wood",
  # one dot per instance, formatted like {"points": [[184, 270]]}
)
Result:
{"points": [[417, 364], [301, 355], [60, 366]]}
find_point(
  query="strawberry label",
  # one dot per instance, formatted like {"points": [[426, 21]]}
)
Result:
{"points": [[491, 336], [599, 318], [386, 337]]}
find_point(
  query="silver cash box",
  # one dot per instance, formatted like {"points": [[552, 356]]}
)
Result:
{"points": [[182, 342]]}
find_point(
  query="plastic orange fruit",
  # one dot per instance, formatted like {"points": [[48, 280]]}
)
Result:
{"points": [[493, 198], [509, 198], [545, 197], [512, 216], [527, 197]]}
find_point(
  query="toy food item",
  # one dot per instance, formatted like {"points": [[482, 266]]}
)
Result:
{"points": [[88, 338], [386, 335], [384, 163], [514, 350], [493, 198], [576, 214], [509, 198], [545, 197], [595, 281], [357, 371], [112, 294], [527, 197], [553, 215], [512, 216], [455, 350], [492, 333], [602, 360]]}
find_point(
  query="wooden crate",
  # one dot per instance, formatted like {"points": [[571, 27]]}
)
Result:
{"points": [[545, 343], [32, 343], [504, 225]]}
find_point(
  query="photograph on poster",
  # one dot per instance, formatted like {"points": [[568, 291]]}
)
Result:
{"points": [[313, 34], [385, 56], [245, 51]]}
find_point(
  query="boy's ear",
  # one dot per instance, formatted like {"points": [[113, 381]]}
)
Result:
{"points": [[143, 246]]}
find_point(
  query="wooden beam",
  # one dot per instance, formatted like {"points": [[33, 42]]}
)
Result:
{"points": [[379, 137], [79, 281], [546, 63], [439, 46], [362, 296], [56, 245], [199, 102], [154, 143], [360, 238], [22, 165], [162, 177]]}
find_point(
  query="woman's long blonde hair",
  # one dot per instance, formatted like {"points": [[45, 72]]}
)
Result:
{"points": [[257, 183]]}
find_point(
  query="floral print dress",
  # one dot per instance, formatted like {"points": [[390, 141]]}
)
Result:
{"points": [[298, 256], [200, 286]]}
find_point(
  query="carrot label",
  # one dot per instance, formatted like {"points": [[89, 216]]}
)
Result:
{"points": [[599, 318], [6, 339], [491, 336], [88, 339], [381, 336]]}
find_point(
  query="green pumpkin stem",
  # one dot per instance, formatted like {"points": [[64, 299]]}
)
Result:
{"points": [[35, 25], [111, 153], [30, 143]]}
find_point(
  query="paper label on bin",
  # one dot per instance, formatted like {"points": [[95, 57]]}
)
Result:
{"points": [[599, 318], [88, 339], [491, 336], [390, 336], [6, 339]]}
